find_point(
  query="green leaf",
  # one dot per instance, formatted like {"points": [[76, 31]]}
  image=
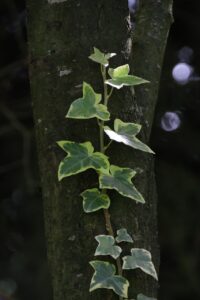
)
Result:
{"points": [[107, 246], [88, 106], [126, 133], [101, 58], [143, 297], [140, 258], [119, 179], [104, 277], [80, 158], [123, 236], [120, 78], [94, 200]]}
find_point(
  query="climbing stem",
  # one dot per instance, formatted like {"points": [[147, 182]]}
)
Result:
{"points": [[105, 89], [103, 148], [109, 228], [110, 94]]}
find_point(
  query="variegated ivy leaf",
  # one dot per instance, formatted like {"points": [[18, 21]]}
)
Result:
{"points": [[80, 158], [101, 58], [126, 133], [104, 277], [107, 246], [120, 77], [119, 179], [123, 236], [88, 106], [140, 258], [94, 200], [143, 297]]}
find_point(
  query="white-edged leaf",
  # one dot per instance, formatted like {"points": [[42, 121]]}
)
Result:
{"points": [[123, 236], [119, 179], [94, 200], [101, 58], [107, 246], [80, 158], [143, 297], [140, 258], [120, 77], [126, 133], [88, 106], [104, 278]]}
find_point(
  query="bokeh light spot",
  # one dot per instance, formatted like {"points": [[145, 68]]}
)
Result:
{"points": [[170, 121]]}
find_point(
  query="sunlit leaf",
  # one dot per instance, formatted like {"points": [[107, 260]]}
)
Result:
{"points": [[80, 158], [104, 277], [126, 133], [88, 106], [119, 179], [107, 246], [123, 236], [120, 77], [94, 200], [140, 258], [101, 58], [110, 55], [143, 297]]}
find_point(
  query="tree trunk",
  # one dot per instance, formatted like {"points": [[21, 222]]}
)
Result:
{"points": [[61, 37]]}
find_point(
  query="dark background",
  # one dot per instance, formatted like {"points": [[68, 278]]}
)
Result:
{"points": [[23, 268]]}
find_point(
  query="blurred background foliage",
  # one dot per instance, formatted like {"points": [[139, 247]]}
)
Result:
{"points": [[175, 139]]}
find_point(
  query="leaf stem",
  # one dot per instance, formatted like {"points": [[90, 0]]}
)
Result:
{"points": [[103, 148], [108, 145], [110, 94]]}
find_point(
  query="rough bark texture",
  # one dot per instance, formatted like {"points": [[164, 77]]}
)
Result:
{"points": [[61, 37]]}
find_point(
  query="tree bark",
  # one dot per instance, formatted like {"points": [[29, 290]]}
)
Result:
{"points": [[61, 37]]}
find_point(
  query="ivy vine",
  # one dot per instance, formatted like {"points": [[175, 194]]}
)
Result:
{"points": [[82, 156]]}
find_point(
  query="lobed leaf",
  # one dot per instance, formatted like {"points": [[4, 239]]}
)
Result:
{"points": [[80, 158], [107, 246], [104, 277], [140, 258], [126, 133], [88, 106], [119, 179], [120, 77], [143, 297], [123, 236], [94, 200], [101, 58]]}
